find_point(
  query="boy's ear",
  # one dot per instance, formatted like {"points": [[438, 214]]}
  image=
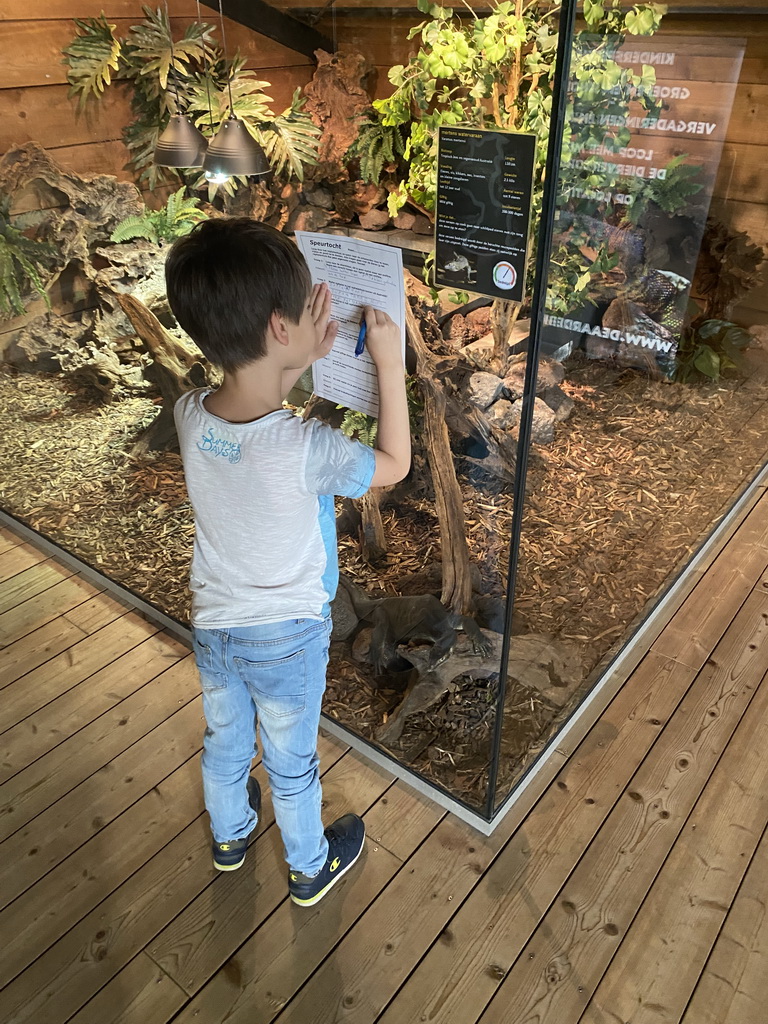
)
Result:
{"points": [[278, 328]]}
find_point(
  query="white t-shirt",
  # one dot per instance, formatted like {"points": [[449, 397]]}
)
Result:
{"points": [[262, 492]]}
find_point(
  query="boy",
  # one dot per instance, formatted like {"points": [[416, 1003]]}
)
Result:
{"points": [[264, 569]]}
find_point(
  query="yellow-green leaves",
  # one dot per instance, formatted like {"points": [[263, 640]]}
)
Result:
{"points": [[91, 56]]}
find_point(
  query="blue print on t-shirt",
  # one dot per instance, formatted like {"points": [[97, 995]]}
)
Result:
{"points": [[219, 446]]}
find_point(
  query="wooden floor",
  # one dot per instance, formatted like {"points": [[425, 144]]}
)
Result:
{"points": [[634, 891]]}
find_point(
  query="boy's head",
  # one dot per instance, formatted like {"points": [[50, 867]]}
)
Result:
{"points": [[226, 278]]}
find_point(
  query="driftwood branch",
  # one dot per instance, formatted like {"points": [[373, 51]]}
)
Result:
{"points": [[457, 582], [175, 369]]}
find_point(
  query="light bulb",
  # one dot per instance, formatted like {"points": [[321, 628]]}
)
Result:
{"points": [[217, 178]]}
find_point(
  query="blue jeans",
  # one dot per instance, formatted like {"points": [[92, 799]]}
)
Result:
{"points": [[274, 675]]}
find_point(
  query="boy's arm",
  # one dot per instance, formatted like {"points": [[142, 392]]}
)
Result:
{"points": [[393, 439]]}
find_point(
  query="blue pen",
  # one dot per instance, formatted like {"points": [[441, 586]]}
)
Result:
{"points": [[360, 346]]}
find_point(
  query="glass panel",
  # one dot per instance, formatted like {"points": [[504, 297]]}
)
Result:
{"points": [[654, 337]]}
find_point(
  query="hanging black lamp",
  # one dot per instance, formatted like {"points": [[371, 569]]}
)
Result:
{"points": [[181, 144], [233, 150]]}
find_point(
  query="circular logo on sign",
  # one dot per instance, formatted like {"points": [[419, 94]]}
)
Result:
{"points": [[504, 275]]}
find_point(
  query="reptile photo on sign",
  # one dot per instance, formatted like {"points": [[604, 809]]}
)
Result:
{"points": [[482, 211]]}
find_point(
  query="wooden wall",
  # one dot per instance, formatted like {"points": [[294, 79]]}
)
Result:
{"points": [[741, 191], [33, 89]]}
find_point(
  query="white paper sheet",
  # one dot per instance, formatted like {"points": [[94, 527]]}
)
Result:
{"points": [[359, 274]]}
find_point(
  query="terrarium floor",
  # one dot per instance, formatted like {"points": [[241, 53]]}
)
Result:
{"points": [[633, 890]]}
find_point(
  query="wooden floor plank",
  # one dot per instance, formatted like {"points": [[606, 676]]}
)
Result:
{"points": [[99, 800], [42, 915], [18, 558], [31, 582], [36, 611], [32, 693], [658, 964], [688, 637], [85, 959], [36, 648], [51, 777], [9, 539], [733, 988], [273, 964], [91, 615], [206, 934], [45, 729], [140, 994], [362, 973], [462, 971], [558, 970]]}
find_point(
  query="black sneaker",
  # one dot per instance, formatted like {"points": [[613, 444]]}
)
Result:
{"points": [[345, 844], [231, 855]]}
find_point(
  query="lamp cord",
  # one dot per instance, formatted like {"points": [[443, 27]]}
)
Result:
{"points": [[229, 76], [205, 69]]}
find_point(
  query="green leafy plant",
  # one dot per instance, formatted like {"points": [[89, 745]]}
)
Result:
{"points": [[177, 218], [157, 67], [361, 427], [21, 260], [497, 71], [712, 347], [92, 56]]}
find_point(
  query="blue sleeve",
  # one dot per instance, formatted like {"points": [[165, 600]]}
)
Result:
{"points": [[335, 464]]}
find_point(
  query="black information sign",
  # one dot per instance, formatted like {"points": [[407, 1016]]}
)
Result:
{"points": [[482, 215]]}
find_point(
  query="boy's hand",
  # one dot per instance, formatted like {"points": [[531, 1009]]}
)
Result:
{"points": [[382, 339], [325, 328]]}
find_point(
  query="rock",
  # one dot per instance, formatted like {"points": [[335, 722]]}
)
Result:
{"points": [[361, 648], [405, 220], [550, 372], [374, 220], [316, 195], [356, 197], [307, 218], [480, 321], [483, 389], [504, 415], [543, 429], [422, 225], [550, 666], [759, 335], [253, 200], [337, 99], [343, 616], [457, 330], [562, 405]]}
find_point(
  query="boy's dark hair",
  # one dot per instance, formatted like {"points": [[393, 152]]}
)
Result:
{"points": [[226, 278]]}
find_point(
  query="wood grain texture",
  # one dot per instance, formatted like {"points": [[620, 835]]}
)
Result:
{"points": [[83, 960], [274, 962], [658, 965], [18, 558], [31, 51], [203, 937], [90, 807], [36, 648], [45, 729], [462, 971], [36, 611], [733, 987], [84, 752], [560, 967]]}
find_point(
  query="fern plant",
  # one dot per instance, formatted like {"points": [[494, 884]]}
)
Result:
{"points": [[21, 260], [177, 218], [159, 67]]}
